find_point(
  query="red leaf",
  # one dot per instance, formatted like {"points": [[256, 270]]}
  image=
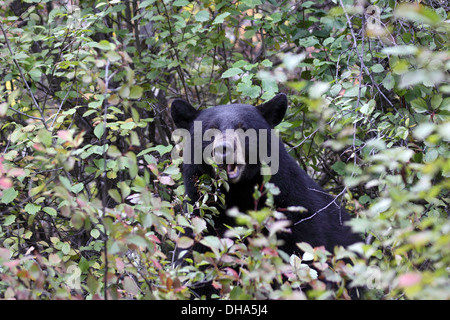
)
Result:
{"points": [[154, 238], [166, 180], [12, 263], [65, 135], [232, 272], [409, 279], [16, 172], [5, 183]]}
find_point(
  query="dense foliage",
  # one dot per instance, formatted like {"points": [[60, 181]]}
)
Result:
{"points": [[91, 200]]}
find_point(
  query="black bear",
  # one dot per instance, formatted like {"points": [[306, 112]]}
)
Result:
{"points": [[213, 132]]}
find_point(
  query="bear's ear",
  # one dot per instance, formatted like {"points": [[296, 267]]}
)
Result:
{"points": [[274, 110], [183, 113]]}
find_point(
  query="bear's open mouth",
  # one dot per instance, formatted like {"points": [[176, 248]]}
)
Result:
{"points": [[234, 172]]}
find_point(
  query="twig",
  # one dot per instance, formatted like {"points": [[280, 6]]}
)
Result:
{"points": [[24, 114], [175, 49], [104, 178], [322, 209], [362, 66], [313, 133], [23, 78], [60, 106], [355, 46], [227, 80]]}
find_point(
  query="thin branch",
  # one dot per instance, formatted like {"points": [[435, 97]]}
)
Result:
{"points": [[324, 208], [313, 133], [23, 78], [175, 49], [104, 177], [24, 114], [60, 106]]}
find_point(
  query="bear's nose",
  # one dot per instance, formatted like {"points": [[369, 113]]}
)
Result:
{"points": [[223, 152]]}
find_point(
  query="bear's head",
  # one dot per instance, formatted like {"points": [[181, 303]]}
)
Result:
{"points": [[237, 137]]}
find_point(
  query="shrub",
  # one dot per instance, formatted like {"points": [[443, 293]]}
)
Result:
{"points": [[91, 202]]}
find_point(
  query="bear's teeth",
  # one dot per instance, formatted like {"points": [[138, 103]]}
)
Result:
{"points": [[232, 170]]}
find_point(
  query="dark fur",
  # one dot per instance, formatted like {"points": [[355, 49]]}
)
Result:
{"points": [[327, 226]]}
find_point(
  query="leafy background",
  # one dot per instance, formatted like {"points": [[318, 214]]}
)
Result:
{"points": [[91, 199]]}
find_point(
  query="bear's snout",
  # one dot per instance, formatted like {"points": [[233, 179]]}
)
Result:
{"points": [[227, 153], [223, 152]]}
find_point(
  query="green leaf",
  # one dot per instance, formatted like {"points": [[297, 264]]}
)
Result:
{"points": [[213, 243], [248, 89], [3, 108], [84, 264], [436, 101], [113, 151], [45, 137], [291, 61], [417, 13], [92, 284], [185, 242], [305, 247], [202, 16], [423, 130], [400, 50], [95, 233], [220, 18], [34, 191], [339, 167], [162, 150], [232, 72], [388, 82], [352, 92], [125, 190], [9, 195], [50, 211], [99, 130], [335, 89], [35, 74], [9, 220], [318, 89], [113, 56], [113, 193], [124, 91], [137, 240], [269, 85], [309, 41], [266, 63], [105, 45], [240, 64], [180, 3], [65, 248], [76, 188], [368, 108], [381, 205], [419, 105], [364, 199], [147, 3], [260, 215], [237, 294], [135, 92], [431, 155], [127, 125], [32, 208], [65, 182], [377, 68]]}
